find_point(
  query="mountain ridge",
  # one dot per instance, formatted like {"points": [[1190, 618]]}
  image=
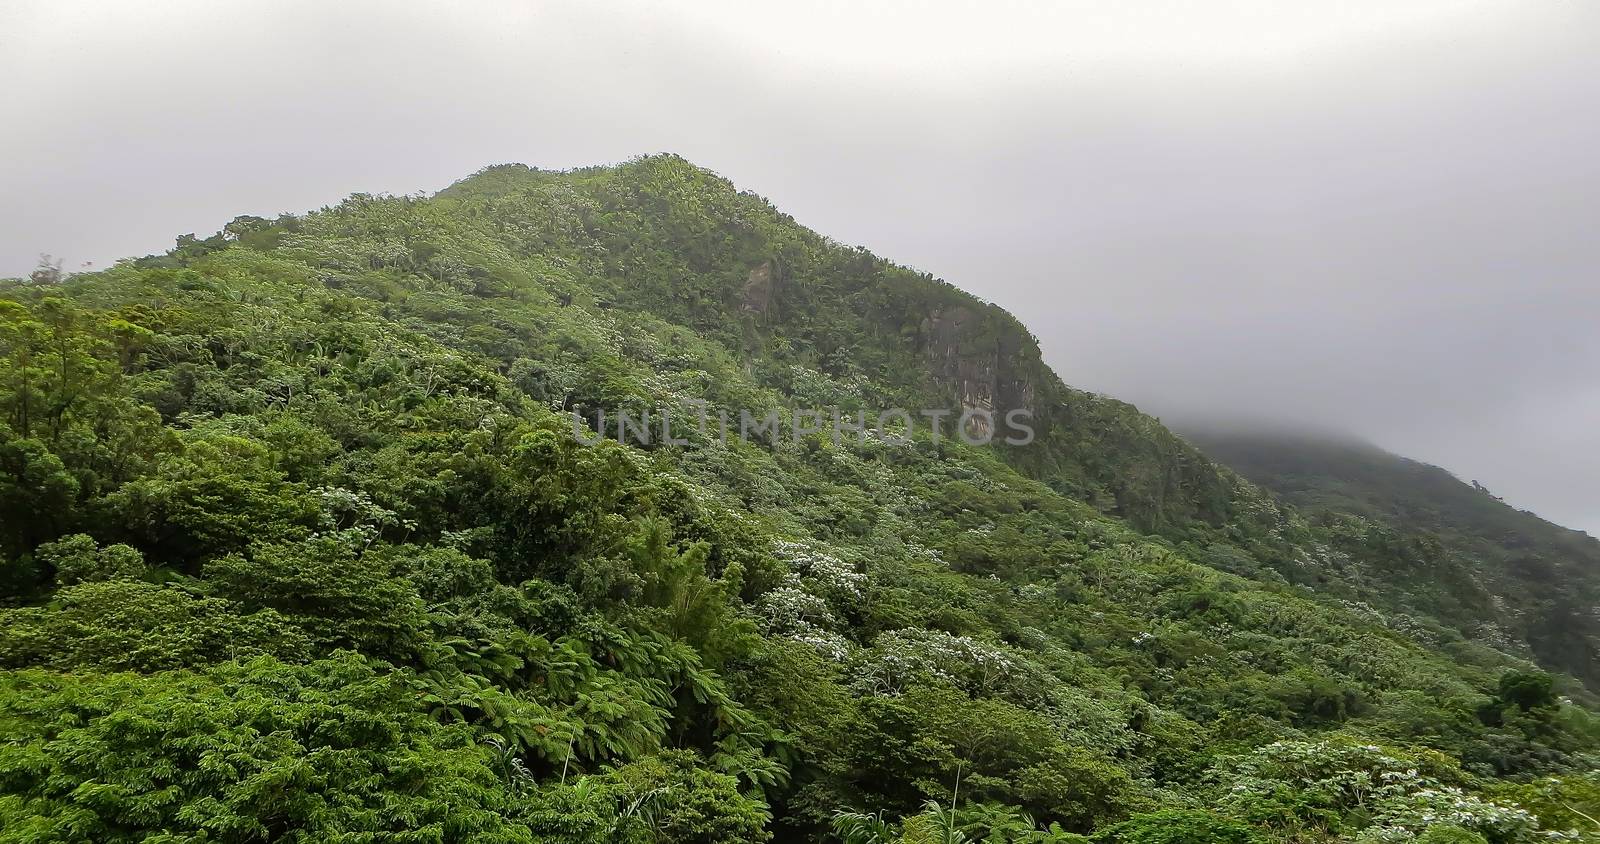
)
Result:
{"points": [[305, 496], [1531, 576]]}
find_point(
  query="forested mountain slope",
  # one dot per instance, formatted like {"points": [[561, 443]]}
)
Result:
{"points": [[780, 296], [1427, 543], [299, 543]]}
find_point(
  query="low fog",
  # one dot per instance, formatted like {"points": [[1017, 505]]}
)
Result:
{"points": [[1373, 217]]}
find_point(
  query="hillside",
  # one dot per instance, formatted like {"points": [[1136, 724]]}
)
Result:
{"points": [[1428, 543], [300, 541]]}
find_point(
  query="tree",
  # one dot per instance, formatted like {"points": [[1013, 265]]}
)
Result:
{"points": [[259, 751], [1527, 690], [47, 272], [342, 594], [78, 558], [680, 802], [127, 625], [38, 496], [1178, 826]]}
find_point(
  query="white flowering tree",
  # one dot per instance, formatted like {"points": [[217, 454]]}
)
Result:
{"points": [[901, 657], [1313, 790], [803, 606]]}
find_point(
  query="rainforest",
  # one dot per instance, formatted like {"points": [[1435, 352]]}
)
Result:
{"points": [[297, 544]]}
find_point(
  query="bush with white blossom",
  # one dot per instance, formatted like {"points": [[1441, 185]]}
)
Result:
{"points": [[801, 607], [902, 657], [1378, 794], [824, 574]]}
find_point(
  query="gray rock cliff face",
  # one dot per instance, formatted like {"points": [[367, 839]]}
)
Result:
{"points": [[978, 363], [760, 290]]}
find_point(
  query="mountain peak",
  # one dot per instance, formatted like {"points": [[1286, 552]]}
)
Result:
{"points": [[472, 472]]}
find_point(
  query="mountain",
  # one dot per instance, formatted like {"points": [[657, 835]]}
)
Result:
{"points": [[320, 528], [1422, 541]]}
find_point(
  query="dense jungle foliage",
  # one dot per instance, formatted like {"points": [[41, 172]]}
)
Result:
{"points": [[1421, 541], [297, 544]]}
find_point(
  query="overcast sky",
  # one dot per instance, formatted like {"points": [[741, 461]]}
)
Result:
{"points": [[1375, 216]]}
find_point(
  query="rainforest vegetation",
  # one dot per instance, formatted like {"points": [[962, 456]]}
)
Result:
{"points": [[297, 544], [1425, 543]]}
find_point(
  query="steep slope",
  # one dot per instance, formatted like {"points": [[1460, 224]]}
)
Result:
{"points": [[301, 541], [1428, 543], [666, 238]]}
